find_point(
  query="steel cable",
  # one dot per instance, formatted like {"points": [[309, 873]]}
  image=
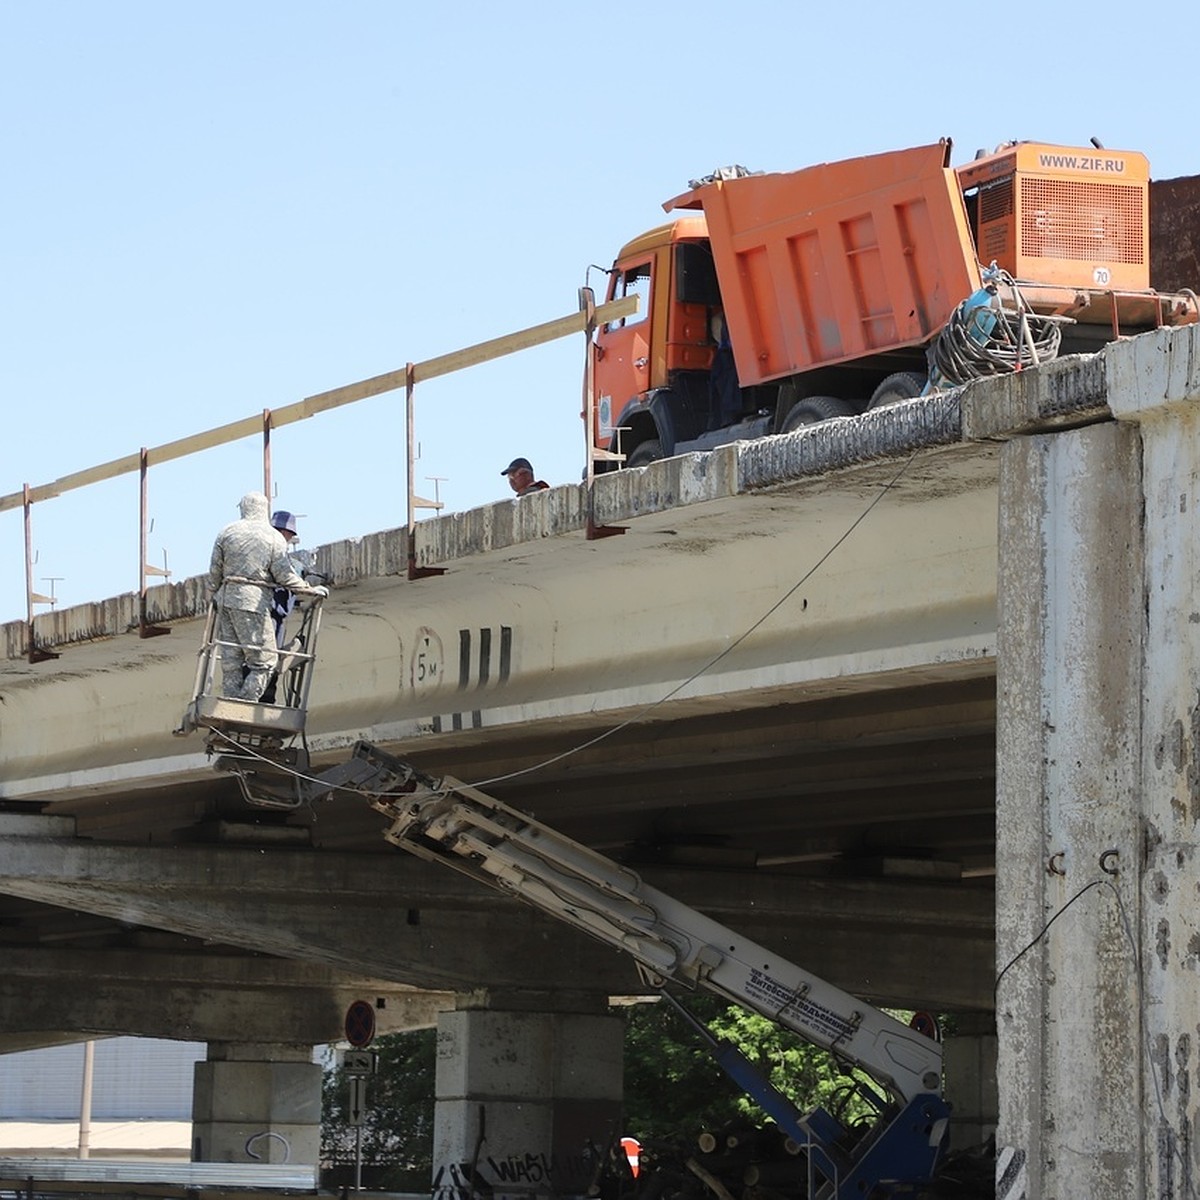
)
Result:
{"points": [[979, 341]]}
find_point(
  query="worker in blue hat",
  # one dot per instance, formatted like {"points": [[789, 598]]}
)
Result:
{"points": [[283, 601], [520, 477]]}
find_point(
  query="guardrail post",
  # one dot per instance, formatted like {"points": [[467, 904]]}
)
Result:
{"points": [[267, 454], [414, 501], [36, 655], [145, 629]]}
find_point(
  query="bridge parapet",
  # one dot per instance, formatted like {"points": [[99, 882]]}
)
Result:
{"points": [[1068, 391], [986, 410]]}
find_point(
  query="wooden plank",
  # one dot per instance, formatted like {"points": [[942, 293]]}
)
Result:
{"points": [[457, 360], [108, 470], [193, 443], [301, 410]]}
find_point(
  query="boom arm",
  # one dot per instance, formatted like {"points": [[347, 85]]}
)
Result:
{"points": [[447, 821]]}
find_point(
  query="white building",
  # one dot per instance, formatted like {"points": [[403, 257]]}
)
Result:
{"points": [[141, 1101]]}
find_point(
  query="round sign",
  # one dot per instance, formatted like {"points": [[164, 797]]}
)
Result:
{"points": [[926, 1024], [360, 1024]]}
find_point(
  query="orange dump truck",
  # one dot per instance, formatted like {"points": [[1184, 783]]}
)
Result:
{"points": [[794, 297]]}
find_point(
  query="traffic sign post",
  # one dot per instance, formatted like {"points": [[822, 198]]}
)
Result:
{"points": [[356, 1116], [358, 1099], [358, 1064]]}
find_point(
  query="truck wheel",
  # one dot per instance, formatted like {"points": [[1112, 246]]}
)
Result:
{"points": [[812, 409], [645, 452], [904, 385]]}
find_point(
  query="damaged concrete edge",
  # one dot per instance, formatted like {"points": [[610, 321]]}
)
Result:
{"points": [[1126, 380], [1066, 391], [1153, 373]]}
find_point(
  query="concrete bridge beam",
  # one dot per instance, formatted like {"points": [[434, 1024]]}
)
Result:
{"points": [[177, 993], [1070, 1064], [1156, 383], [390, 917]]}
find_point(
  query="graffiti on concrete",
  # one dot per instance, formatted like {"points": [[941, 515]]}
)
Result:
{"points": [[520, 1175]]}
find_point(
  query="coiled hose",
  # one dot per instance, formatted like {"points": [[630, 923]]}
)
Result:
{"points": [[983, 337]]}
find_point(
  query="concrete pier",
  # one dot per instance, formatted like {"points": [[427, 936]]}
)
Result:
{"points": [[527, 1098], [257, 1103], [1097, 936]]}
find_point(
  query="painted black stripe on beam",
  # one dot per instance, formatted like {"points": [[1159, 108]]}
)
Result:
{"points": [[464, 659], [505, 651], [485, 655]]}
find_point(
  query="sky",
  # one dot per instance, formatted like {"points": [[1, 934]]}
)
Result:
{"points": [[214, 208]]}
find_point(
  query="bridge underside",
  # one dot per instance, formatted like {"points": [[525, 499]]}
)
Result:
{"points": [[853, 833]]}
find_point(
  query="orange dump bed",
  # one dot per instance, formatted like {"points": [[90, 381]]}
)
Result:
{"points": [[837, 262]]}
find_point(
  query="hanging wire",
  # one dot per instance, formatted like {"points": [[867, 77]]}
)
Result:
{"points": [[1127, 928]]}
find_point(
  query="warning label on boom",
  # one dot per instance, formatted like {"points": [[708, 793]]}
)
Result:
{"points": [[827, 1025]]}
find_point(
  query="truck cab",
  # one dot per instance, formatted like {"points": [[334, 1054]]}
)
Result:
{"points": [[657, 374], [775, 300]]}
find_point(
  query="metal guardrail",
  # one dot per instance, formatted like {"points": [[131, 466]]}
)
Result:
{"points": [[27, 1179], [583, 321], [23, 1174]]}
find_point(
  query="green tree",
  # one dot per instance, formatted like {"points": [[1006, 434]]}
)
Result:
{"points": [[397, 1134], [674, 1089]]}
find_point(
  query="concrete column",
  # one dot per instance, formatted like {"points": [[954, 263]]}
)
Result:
{"points": [[1099, 791], [526, 1098], [257, 1103], [1155, 382], [1070, 1063], [969, 1066]]}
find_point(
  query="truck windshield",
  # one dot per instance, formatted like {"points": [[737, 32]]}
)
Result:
{"points": [[632, 281]]}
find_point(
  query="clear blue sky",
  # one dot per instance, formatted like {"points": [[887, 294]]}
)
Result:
{"points": [[210, 209]]}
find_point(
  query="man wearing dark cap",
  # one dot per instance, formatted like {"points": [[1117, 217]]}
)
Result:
{"points": [[520, 477]]}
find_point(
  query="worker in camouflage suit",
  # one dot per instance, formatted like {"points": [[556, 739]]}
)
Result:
{"points": [[250, 559]]}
